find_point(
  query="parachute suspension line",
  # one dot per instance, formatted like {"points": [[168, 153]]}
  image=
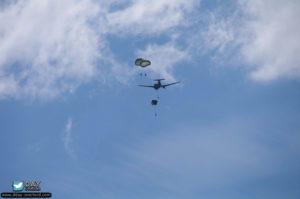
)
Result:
{"points": [[157, 100], [142, 63]]}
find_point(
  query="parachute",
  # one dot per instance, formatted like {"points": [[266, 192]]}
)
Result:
{"points": [[142, 62]]}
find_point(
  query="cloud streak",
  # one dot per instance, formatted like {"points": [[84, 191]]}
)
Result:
{"points": [[67, 139]]}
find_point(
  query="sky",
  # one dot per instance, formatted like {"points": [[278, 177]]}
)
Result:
{"points": [[73, 117]]}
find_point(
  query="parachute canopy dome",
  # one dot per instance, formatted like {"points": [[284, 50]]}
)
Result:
{"points": [[142, 62]]}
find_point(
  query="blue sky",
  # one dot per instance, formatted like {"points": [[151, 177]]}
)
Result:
{"points": [[72, 116]]}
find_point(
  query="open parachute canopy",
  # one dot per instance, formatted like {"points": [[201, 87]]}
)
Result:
{"points": [[142, 62]]}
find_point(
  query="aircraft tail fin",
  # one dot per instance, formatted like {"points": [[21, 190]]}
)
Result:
{"points": [[158, 79]]}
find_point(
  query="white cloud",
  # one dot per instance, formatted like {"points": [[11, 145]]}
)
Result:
{"points": [[48, 47], [149, 17], [265, 34], [218, 34], [163, 58], [67, 139], [8, 86], [276, 39], [51, 47]]}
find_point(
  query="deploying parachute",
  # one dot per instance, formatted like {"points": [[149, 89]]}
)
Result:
{"points": [[142, 62]]}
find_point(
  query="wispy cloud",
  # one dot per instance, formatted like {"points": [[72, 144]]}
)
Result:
{"points": [[151, 17], [67, 139], [264, 35], [163, 58]]}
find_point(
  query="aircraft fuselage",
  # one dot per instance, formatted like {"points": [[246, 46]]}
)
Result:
{"points": [[157, 85]]}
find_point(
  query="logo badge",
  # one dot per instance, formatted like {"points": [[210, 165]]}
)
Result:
{"points": [[18, 185]]}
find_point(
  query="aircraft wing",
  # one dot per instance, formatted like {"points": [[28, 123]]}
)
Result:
{"points": [[146, 86], [169, 84]]}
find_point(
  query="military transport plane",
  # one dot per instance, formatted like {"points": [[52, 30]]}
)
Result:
{"points": [[158, 85]]}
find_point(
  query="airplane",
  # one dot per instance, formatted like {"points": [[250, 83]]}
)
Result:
{"points": [[158, 85]]}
